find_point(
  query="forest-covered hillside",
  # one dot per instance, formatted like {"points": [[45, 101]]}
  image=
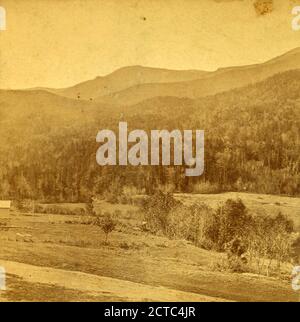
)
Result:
{"points": [[252, 142]]}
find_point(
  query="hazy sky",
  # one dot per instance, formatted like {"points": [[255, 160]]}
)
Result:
{"points": [[58, 43]]}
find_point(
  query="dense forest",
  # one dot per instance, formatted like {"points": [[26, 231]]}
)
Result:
{"points": [[252, 143]]}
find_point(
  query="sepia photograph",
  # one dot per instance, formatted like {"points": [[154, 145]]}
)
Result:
{"points": [[150, 152]]}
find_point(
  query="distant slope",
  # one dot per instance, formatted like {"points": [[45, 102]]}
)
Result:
{"points": [[17, 104], [23, 108], [24, 114], [124, 78], [279, 87], [209, 83]]}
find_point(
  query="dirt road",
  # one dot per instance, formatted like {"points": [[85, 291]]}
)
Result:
{"points": [[98, 286]]}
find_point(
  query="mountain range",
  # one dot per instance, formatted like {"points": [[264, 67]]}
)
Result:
{"points": [[131, 85]]}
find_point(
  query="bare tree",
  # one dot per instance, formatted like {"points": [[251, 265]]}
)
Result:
{"points": [[107, 224]]}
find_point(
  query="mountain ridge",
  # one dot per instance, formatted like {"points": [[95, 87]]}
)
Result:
{"points": [[210, 84], [131, 84]]}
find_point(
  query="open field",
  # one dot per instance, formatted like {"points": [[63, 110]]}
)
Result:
{"points": [[60, 257]]}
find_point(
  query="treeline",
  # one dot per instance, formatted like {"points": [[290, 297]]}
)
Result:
{"points": [[252, 143], [261, 243]]}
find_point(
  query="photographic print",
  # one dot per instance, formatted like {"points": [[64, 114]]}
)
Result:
{"points": [[149, 151]]}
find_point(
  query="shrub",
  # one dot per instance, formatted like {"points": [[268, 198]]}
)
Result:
{"points": [[124, 245], [191, 223], [157, 208], [230, 221], [269, 240], [235, 251], [3, 226], [59, 210], [295, 253], [90, 207], [38, 208], [24, 205]]}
